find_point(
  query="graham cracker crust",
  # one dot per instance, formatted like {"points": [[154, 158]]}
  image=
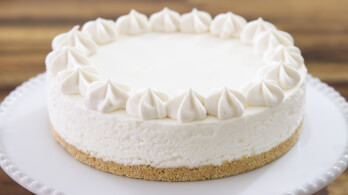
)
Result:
{"points": [[148, 172]]}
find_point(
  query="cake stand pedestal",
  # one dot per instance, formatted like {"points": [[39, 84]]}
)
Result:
{"points": [[31, 156]]}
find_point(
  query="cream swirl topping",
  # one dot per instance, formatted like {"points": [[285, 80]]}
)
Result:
{"points": [[290, 55], [106, 96], [101, 30], [272, 38], [75, 38], [253, 28], [225, 103], [286, 76], [77, 80], [187, 107], [165, 21], [64, 58], [227, 25], [147, 104], [133, 23], [195, 22], [263, 93]]}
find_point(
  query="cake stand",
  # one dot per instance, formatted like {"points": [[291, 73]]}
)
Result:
{"points": [[32, 157]]}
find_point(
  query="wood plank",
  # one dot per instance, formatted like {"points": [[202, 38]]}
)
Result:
{"points": [[9, 187], [329, 72], [339, 186], [329, 10], [77, 10], [15, 70]]}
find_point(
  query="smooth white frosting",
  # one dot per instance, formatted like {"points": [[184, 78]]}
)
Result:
{"points": [[253, 28], [188, 106], [64, 58], [225, 103], [272, 38], [101, 30], [290, 55], [263, 93], [106, 96], [75, 38], [133, 23], [77, 80], [195, 22], [165, 21], [147, 104], [227, 25]]}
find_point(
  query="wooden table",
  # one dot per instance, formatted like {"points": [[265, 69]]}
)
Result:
{"points": [[319, 27]]}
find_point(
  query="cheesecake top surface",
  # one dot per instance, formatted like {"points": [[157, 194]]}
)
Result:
{"points": [[176, 62], [184, 67]]}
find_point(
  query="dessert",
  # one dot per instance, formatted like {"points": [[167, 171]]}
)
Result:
{"points": [[176, 97]]}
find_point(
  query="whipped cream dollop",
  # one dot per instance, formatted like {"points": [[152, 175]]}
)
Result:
{"points": [[147, 104], [272, 38], [263, 93], [106, 96], [75, 38], [225, 103], [133, 23], [101, 30], [187, 107], [77, 80], [64, 58], [227, 25], [285, 75], [289, 55], [165, 21], [253, 28], [195, 22]]}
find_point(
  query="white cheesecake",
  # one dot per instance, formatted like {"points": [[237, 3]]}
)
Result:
{"points": [[176, 97]]}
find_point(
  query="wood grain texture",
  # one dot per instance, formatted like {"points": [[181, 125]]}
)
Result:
{"points": [[319, 27]]}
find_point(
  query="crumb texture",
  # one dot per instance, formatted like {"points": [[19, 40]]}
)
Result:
{"points": [[148, 172]]}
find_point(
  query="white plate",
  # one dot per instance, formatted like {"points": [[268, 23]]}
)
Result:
{"points": [[31, 156]]}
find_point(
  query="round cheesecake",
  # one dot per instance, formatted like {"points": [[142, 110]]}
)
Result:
{"points": [[176, 97]]}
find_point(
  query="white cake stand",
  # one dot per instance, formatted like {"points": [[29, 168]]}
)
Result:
{"points": [[31, 156]]}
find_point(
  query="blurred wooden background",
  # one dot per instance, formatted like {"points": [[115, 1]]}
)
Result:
{"points": [[319, 27]]}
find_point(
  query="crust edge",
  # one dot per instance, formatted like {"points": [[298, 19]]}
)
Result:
{"points": [[205, 172]]}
